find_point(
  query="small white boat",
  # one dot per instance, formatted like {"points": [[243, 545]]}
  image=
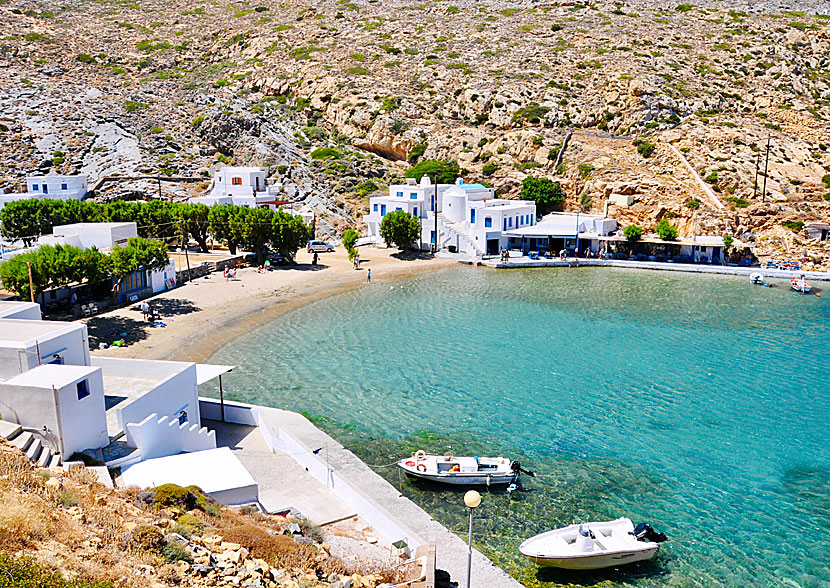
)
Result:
{"points": [[467, 471], [592, 546], [756, 278], [800, 285]]}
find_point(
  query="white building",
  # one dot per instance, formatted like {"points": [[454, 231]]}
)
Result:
{"points": [[57, 187], [87, 235], [241, 186], [470, 219], [51, 386]]}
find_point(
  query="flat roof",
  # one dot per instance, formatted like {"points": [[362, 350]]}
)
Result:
{"points": [[13, 306], [92, 226], [48, 375], [206, 372], [21, 332], [212, 470]]}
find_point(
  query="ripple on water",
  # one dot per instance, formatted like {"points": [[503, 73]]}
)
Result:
{"points": [[697, 403]]}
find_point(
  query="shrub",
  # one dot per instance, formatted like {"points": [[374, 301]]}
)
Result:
{"points": [[85, 58], [132, 105], [532, 113], [728, 240], [416, 152], [826, 196], [399, 228], [174, 551], [489, 169], [325, 153], [711, 177], [365, 188], [145, 538], [666, 230], [826, 180], [197, 121], [391, 103], [312, 531], [445, 171], [693, 203], [187, 498], [644, 148], [794, 226], [738, 202], [275, 549], [24, 572], [683, 7], [585, 170], [281, 169], [633, 232], [358, 71]]}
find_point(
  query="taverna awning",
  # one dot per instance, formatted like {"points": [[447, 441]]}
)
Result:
{"points": [[205, 372], [701, 241]]}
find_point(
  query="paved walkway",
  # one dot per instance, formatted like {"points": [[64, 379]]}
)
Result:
{"points": [[523, 262], [374, 498], [283, 483]]}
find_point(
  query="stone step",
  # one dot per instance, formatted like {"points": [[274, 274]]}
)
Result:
{"points": [[10, 430], [33, 452], [55, 462], [45, 458], [23, 441]]}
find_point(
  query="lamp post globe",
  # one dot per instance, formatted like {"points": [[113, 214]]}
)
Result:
{"points": [[472, 498]]}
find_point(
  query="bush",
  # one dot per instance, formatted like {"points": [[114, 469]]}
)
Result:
{"points": [[24, 572], [325, 153], [416, 152], [728, 240], [275, 549], [532, 113], [174, 551], [666, 230], [365, 188], [683, 7], [585, 170], [794, 226], [633, 232], [645, 148], [145, 538], [446, 171], [826, 180], [85, 58], [738, 202], [693, 203], [489, 169], [545, 193], [711, 177], [187, 498], [197, 121], [399, 228]]}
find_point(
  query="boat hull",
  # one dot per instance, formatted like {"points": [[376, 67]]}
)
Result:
{"points": [[594, 562], [464, 479]]}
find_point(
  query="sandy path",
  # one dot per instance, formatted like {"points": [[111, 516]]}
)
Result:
{"points": [[204, 314]]}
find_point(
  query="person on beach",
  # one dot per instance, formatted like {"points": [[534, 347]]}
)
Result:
{"points": [[314, 259], [369, 275], [226, 272], [145, 309]]}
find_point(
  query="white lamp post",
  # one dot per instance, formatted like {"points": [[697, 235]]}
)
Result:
{"points": [[472, 499]]}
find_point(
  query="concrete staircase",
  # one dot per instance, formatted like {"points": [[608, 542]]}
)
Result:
{"points": [[160, 436], [30, 444], [453, 233]]}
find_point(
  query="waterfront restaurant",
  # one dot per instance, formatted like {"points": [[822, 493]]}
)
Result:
{"points": [[700, 249], [575, 233]]}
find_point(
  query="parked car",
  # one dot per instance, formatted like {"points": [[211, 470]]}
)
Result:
{"points": [[319, 246]]}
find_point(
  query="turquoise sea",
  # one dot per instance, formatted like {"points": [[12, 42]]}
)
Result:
{"points": [[700, 404]]}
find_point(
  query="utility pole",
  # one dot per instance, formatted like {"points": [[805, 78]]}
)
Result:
{"points": [[766, 167], [186, 257], [31, 286], [757, 165]]}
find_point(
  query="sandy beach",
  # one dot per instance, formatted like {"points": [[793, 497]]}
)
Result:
{"points": [[206, 313]]}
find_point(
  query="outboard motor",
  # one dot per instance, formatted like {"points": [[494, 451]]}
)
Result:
{"points": [[645, 532], [584, 540], [517, 467]]}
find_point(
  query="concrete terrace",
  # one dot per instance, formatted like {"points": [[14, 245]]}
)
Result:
{"points": [[339, 471], [728, 270]]}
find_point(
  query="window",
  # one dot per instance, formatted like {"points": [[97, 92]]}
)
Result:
{"points": [[413, 195], [45, 189], [488, 222], [432, 203], [432, 237], [398, 208], [374, 208], [64, 187], [236, 181], [34, 188], [382, 210], [472, 216], [83, 389], [399, 194], [135, 281], [510, 223], [504, 222]]}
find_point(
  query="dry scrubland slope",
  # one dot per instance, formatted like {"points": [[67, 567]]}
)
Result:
{"points": [[97, 537], [150, 87]]}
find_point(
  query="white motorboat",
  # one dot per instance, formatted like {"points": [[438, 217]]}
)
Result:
{"points": [[467, 471], [592, 546], [800, 285], [756, 278]]}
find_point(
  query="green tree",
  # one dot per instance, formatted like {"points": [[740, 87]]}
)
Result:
{"points": [[445, 171], [20, 220], [223, 227], [633, 233], [196, 221], [53, 267], [15, 274], [666, 230], [400, 228], [257, 231], [138, 254], [349, 242], [288, 233], [546, 193]]}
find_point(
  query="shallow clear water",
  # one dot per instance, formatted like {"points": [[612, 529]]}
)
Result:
{"points": [[697, 403]]}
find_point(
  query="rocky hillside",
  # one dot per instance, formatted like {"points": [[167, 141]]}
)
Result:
{"points": [[96, 537], [176, 89]]}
